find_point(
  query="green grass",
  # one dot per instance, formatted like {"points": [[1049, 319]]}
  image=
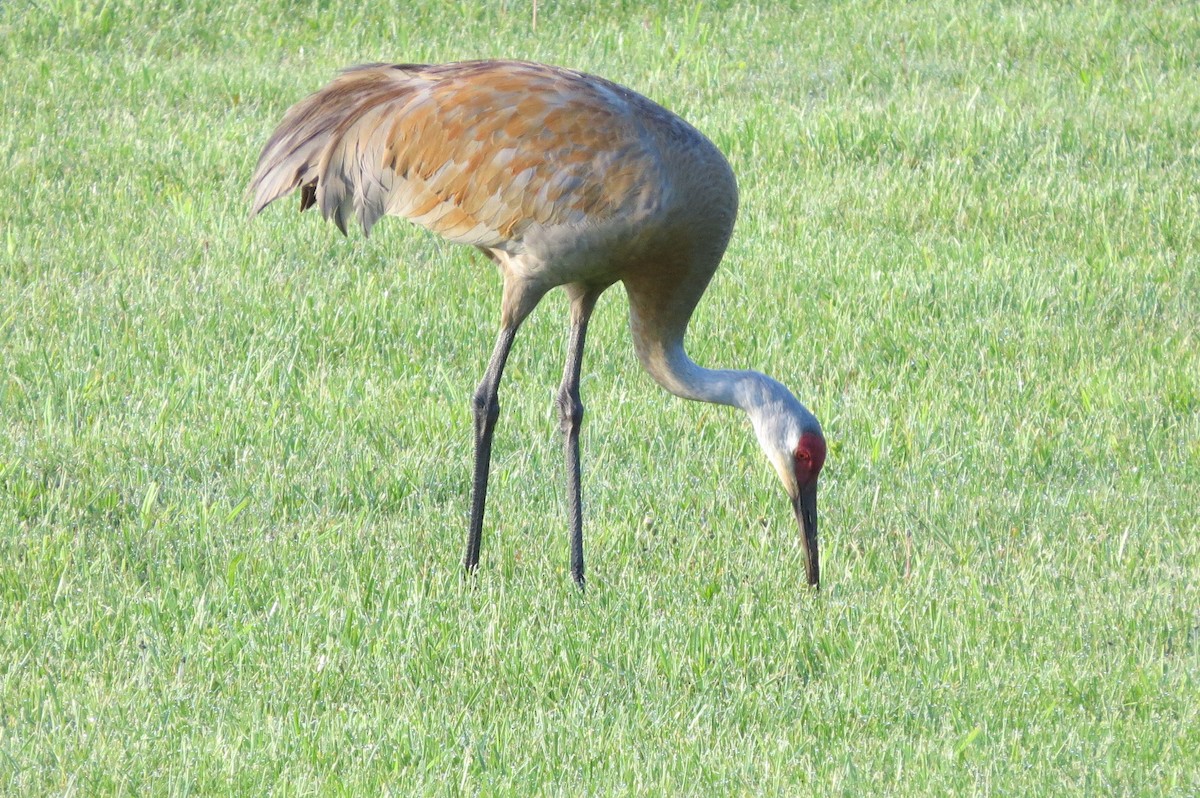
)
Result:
{"points": [[234, 457]]}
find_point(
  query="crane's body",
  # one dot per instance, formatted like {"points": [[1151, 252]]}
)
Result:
{"points": [[563, 179]]}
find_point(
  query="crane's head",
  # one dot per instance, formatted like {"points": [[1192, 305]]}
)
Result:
{"points": [[791, 438]]}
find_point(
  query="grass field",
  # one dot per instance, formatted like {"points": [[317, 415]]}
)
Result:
{"points": [[234, 457]]}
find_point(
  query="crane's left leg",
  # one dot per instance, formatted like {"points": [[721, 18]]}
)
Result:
{"points": [[487, 410], [570, 418], [518, 300]]}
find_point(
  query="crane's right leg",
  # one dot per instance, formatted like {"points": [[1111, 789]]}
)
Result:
{"points": [[570, 415]]}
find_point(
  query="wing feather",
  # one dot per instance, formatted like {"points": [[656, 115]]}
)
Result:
{"points": [[478, 152]]}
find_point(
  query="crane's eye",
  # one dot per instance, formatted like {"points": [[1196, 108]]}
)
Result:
{"points": [[810, 457]]}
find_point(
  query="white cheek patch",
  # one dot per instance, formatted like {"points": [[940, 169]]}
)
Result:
{"points": [[778, 447], [784, 469]]}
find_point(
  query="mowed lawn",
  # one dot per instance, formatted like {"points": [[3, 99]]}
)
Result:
{"points": [[235, 456]]}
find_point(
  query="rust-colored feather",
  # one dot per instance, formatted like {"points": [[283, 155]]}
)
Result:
{"points": [[477, 152]]}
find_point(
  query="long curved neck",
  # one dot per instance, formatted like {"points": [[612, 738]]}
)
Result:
{"points": [[661, 302], [660, 307], [777, 416], [658, 321], [671, 368], [658, 328]]}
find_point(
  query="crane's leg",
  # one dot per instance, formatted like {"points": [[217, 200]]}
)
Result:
{"points": [[570, 419], [487, 410], [518, 301]]}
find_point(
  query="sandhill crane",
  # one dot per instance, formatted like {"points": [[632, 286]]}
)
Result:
{"points": [[563, 179]]}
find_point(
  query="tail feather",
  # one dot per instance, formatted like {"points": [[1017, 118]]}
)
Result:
{"points": [[298, 153]]}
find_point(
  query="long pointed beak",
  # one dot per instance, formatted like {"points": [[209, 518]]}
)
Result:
{"points": [[805, 505]]}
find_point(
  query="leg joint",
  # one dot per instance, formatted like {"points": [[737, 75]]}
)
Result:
{"points": [[570, 409], [485, 404]]}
